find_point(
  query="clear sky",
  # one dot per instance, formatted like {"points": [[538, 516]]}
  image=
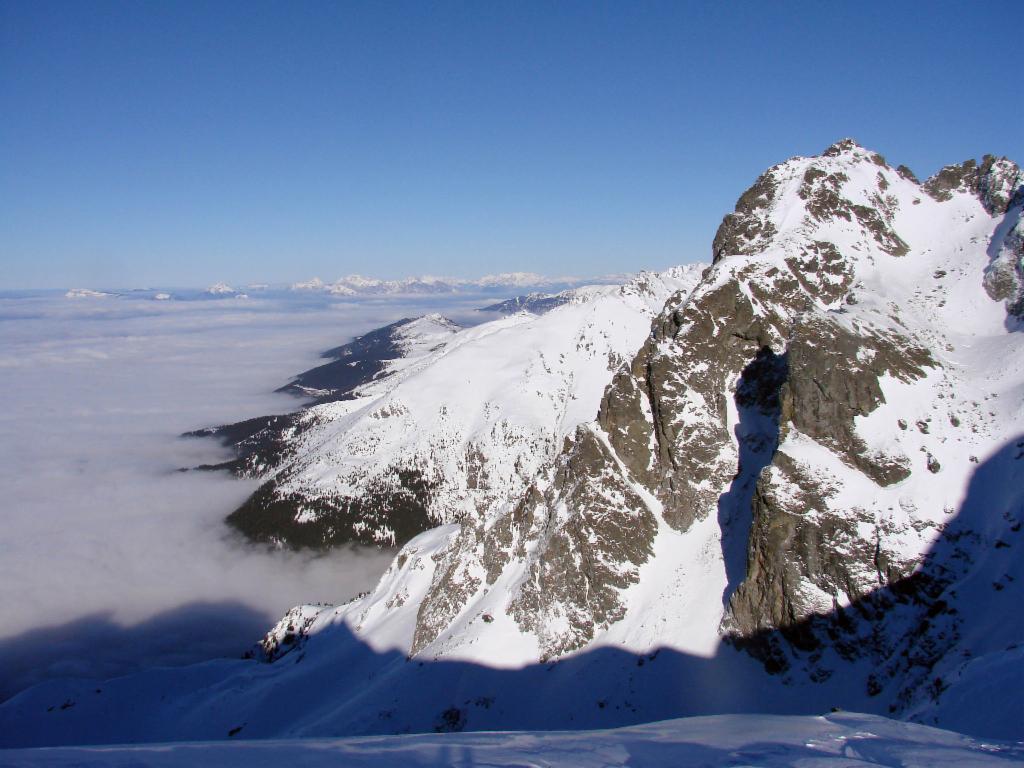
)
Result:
{"points": [[176, 143]]}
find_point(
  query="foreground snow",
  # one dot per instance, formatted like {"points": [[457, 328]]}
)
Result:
{"points": [[839, 739]]}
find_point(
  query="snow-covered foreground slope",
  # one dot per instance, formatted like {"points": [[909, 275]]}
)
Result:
{"points": [[847, 740], [805, 490]]}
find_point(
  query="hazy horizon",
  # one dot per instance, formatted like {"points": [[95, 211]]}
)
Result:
{"points": [[465, 284]]}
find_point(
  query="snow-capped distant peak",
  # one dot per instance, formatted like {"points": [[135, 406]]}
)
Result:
{"points": [[85, 293], [513, 279], [358, 281]]}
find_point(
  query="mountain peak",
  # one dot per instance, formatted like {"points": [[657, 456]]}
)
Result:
{"points": [[846, 183], [850, 195], [850, 147]]}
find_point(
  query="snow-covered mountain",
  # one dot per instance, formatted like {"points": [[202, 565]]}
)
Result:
{"points": [[375, 356], [422, 423], [536, 303], [801, 486]]}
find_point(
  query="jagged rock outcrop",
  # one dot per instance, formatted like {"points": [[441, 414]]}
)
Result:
{"points": [[834, 377], [746, 230], [597, 532], [1004, 276], [995, 181]]}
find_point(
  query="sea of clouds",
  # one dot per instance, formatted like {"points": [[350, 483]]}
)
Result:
{"points": [[110, 558]]}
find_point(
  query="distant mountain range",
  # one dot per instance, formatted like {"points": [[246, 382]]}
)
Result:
{"points": [[355, 286]]}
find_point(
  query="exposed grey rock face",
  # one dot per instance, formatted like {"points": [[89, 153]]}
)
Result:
{"points": [[796, 538], [747, 229], [996, 182], [665, 417], [823, 193], [829, 386], [792, 543], [582, 540], [597, 532], [454, 581], [803, 554], [905, 173], [999, 184], [1004, 277]]}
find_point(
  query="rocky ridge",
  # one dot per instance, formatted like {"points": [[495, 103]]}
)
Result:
{"points": [[421, 423]]}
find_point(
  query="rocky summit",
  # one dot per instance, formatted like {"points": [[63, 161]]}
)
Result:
{"points": [[790, 481]]}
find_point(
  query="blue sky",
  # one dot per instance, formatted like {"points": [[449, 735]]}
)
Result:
{"points": [[178, 144]]}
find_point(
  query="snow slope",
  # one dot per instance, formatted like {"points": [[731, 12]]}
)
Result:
{"points": [[846, 740]]}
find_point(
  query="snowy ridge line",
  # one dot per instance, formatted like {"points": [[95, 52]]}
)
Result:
{"points": [[422, 422]]}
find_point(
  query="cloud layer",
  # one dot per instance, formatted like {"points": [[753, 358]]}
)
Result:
{"points": [[110, 558]]}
